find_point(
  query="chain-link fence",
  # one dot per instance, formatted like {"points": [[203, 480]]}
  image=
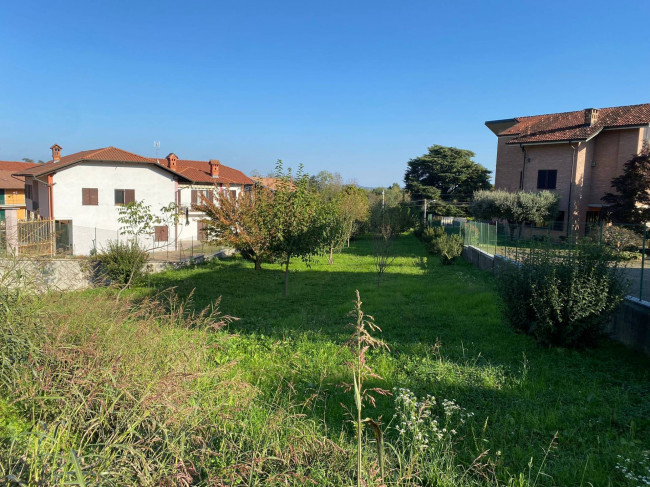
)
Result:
{"points": [[49, 238], [629, 243]]}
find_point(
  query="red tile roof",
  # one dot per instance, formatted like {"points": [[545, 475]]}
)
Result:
{"points": [[112, 154], [271, 183], [199, 172], [567, 126], [7, 179], [192, 171]]}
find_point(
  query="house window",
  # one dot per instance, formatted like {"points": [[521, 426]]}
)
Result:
{"points": [[233, 194], [161, 233], [89, 197], [546, 178], [200, 196], [124, 196], [28, 191]]}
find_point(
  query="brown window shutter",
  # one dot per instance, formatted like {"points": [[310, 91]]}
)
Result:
{"points": [[89, 196], [200, 230], [211, 196], [161, 233], [233, 194], [195, 196], [129, 196]]}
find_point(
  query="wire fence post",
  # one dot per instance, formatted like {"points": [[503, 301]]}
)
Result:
{"points": [[643, 248], [600, 237], [517, 248]]}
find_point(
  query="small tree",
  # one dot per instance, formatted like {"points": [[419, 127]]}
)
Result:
{"points": [[354, 205], [297, 217], [242, 222], [335, 228], [631, 203], [124, 261], [383, 251]]}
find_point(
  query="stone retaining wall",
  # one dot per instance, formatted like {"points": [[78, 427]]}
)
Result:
{"points": [[75, 274]]}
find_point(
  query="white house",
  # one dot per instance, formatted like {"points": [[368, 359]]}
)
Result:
{"points": [[86, 190]]}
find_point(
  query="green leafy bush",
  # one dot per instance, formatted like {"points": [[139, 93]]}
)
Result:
{"points": [[449, 247], [431, 234], [622, 239], [122, 263], [562, 299]]}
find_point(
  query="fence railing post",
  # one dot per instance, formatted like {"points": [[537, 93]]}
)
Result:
{"points": [[643, 248]]}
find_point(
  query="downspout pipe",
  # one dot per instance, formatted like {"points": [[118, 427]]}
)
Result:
{"points": [[50, 195], [573, 164]]}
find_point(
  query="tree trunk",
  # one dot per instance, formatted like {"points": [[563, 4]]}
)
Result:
{"points": [[331, 259], [258, 264], [286, 278]]}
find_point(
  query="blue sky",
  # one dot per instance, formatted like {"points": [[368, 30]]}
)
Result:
{"points": [[352, 87]]}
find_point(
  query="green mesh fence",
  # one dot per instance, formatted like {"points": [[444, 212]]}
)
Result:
{"points": [[514, 241]]}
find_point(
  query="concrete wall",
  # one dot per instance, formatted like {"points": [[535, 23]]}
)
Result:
{"points": [[630, 325], [47, 274]]}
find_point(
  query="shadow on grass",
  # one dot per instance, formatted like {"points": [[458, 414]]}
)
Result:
{"points": [[521, 393]]}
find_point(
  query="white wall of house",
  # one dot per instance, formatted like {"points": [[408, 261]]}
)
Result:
{"points": [[94, 225], [40, 193]]}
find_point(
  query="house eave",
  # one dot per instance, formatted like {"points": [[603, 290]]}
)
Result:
{"points": [[498, 126], [552, 142]]}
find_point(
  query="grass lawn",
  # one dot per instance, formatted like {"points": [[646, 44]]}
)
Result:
{"points": [[145, 391], [447, 339]]}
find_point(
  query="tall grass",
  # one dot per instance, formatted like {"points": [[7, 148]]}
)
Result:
{"points": [[128, 394]]}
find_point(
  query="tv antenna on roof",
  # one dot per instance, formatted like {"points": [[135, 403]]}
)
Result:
{"points": [[156, 145]]}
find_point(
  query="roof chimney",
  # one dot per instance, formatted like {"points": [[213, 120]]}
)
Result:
{"points": [[56, 152], [214, 168], [591, 116], [171, 161]]}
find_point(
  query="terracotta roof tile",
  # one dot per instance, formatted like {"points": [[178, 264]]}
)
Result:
{"points": [[556, 127], [194, 171], [199, 172], [271, 183], [7, 179], [104, 154]]}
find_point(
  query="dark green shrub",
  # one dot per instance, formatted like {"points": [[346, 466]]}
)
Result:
{"points": [[562, 299], [621, 239], [430, 234], [400, 218], [122, 263], [449, 247]]}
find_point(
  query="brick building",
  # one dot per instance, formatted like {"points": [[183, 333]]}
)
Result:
{"points": [[574, 154]]}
